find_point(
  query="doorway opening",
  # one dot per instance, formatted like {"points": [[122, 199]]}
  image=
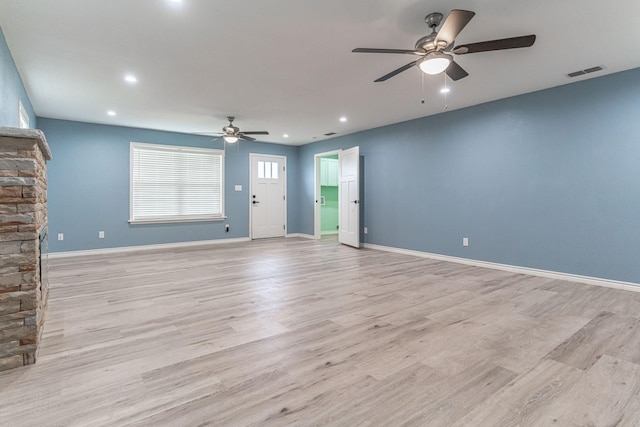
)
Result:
{"points": [[337, 204], [329, 195]]}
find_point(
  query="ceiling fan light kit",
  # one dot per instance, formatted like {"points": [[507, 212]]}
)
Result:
{"points": [[230, 139], [435, 62], [437, 47]]}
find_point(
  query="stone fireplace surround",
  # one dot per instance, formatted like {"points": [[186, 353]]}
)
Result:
{"points": [[23, 233]]}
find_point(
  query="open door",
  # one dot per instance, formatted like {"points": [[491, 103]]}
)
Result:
{"points": [[349, 197]]}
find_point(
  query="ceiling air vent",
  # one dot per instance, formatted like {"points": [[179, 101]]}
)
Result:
{"points": [[329, 134], [585, 71], [593, 69]]}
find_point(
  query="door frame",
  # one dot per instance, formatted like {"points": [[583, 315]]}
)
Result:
{"points": [[317, 191], [251, 183]]}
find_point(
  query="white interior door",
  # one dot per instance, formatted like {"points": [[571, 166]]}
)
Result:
{"points": [[349, 197], [268, 204]]}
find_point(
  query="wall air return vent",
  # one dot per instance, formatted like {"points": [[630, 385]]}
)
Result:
{"points": [[586, 71]]}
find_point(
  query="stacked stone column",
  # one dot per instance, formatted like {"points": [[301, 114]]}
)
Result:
{"points": [[23, 216]]}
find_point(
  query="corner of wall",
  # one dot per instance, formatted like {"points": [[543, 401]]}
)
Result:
{"points": [[13, 89]]}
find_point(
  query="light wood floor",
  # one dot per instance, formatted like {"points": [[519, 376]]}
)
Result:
{"points": [[301, 332]]}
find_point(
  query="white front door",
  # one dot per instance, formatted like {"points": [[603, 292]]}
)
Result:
{"points": [[267, 198], [349, 197]]}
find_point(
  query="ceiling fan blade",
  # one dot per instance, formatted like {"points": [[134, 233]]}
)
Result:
{"points": [[373, 50], [455, 22], [455, 71], [256, 132], [245, 137], [394, 72], [207, 133], [500, 44]]}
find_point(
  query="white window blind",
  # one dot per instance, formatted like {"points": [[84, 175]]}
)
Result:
{"points": [[171, 183]]}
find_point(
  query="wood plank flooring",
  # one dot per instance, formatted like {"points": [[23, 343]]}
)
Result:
{"points": [[300, 332]]}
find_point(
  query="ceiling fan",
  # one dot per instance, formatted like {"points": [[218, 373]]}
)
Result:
{"points": [[232, 134], [435, 49]]}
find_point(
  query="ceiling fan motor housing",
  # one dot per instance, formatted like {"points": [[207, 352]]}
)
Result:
{"points": [[428, 42], [230, 128]]}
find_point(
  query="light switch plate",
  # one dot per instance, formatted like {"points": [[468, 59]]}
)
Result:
{"points": [[238, 187]]}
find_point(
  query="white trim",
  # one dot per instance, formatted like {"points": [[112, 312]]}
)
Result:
{"points": [[596, 281], [325, 233], [123, 249], [304, 236], [23, 116], [317, 233], [286, 198]]}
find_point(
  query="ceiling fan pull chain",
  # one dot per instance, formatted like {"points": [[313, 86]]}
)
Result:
{"points": [[445, 92]]}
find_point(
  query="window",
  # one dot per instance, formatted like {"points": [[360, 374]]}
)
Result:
{"points": [[268, 170], [170, 183], [23, 118]]}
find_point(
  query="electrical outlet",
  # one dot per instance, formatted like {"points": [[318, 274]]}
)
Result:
{"points": [[366, 230], [465, 241], [60, 236], [100, 234], [226, 228]]}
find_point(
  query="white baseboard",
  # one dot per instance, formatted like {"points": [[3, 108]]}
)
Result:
{"points": [[325, 233], [106, 251], [304, 236], [627, 286]]}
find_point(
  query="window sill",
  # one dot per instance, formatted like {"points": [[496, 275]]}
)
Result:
{"points": [[174, 220]]}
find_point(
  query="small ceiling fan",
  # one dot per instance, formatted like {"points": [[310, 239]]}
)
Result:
{"points": [[232, 134], [435, 49]]}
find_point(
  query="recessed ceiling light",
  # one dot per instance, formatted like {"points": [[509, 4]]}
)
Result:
{"points": [[286, 135], [343, 119], [111, 113], [445, 90], [130, 78]]}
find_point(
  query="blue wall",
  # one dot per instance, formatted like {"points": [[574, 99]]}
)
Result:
{"points": [[88, 188], [547, 180], [12, 90]]}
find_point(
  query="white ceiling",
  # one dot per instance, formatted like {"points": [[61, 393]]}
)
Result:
{"points": [[286, 65]]}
